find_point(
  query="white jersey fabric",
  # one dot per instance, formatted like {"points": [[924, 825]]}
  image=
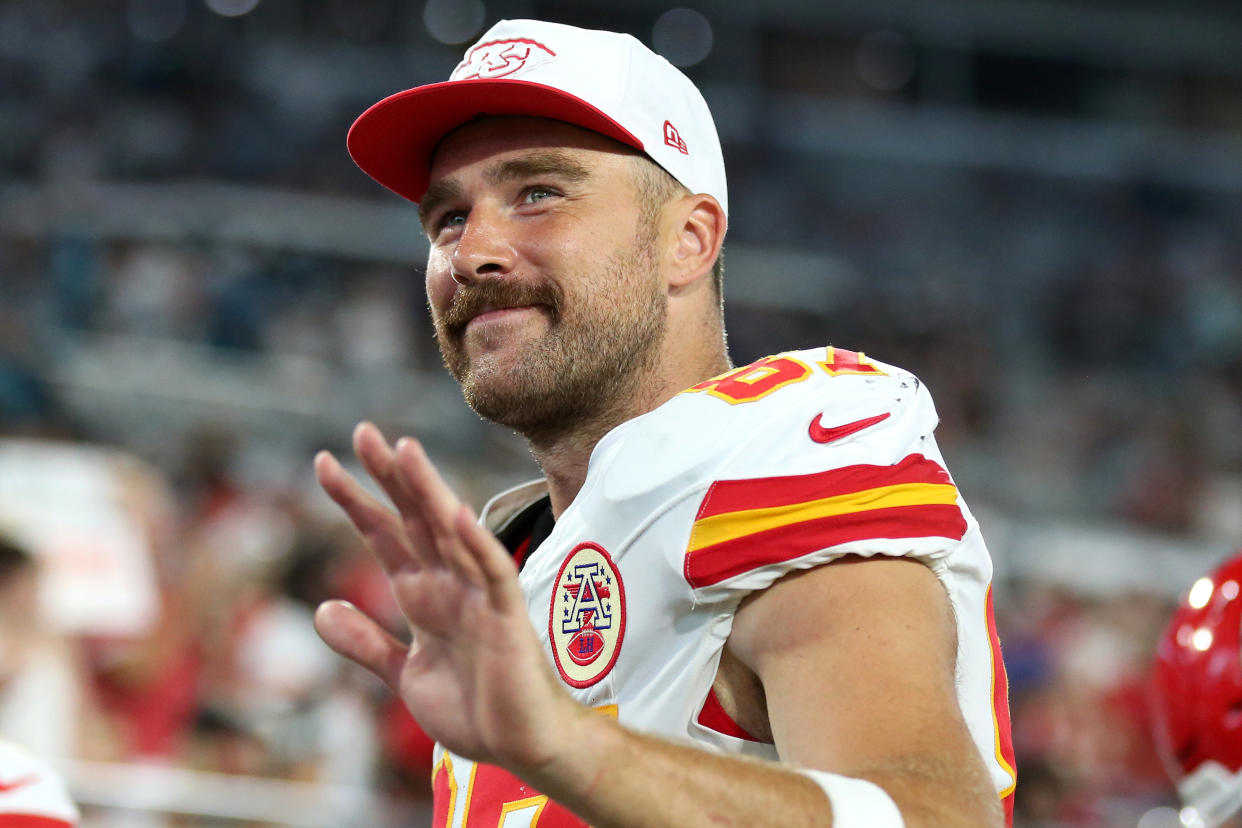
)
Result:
{"points": [[32, 794], [785, 464]]}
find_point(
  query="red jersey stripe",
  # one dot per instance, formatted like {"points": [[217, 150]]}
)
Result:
{"points": [[713, 564], [765, 492], [717, 529]]}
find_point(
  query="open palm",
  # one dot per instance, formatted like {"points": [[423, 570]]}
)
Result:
{"points": [[474, 675]]}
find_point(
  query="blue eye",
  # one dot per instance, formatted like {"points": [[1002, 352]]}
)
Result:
{"points": [[538, 194]]}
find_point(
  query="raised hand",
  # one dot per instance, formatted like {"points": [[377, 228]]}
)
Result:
{"points": [[475, 676]]}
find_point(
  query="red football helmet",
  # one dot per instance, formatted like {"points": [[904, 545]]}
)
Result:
{"points": [[1198, 697]]}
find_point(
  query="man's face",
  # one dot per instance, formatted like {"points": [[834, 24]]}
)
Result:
{"points": [[544, 275]]}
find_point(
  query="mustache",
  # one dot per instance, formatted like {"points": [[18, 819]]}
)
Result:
{"points": [[471, 300]]}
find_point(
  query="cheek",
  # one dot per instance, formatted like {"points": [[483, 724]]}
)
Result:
{"points": [[544, 247], [566, 238], [440, 283]]}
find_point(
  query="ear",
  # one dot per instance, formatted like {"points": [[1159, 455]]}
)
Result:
{"points": [[699, 225]]}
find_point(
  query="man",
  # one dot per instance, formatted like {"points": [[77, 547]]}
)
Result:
{"points": [[739, 596], [1197, 698]]}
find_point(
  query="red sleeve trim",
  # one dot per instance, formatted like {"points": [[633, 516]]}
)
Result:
{"points": [[719, 562], [1001, 722], [714, 717], [32, 821], [759, 493]]}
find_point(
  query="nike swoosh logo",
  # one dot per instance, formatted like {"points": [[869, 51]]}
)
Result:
{"points": [[19, 782], [828, 435]]}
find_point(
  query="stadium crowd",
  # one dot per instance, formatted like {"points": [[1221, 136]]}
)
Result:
{"points": [[1083, 339]]}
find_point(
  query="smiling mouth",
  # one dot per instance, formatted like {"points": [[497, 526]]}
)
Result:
{"points": [[492, 300], [496, 314]]}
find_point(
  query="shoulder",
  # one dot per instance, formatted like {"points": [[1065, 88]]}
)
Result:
{"points": [[800, 458], [788, 405], [788, 413]]}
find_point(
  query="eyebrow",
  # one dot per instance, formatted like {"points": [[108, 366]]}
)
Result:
{"points": [[548, 162], [444, 190]]}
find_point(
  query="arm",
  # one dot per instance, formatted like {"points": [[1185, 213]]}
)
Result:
{"points": [[878, 638], [479, 683]]}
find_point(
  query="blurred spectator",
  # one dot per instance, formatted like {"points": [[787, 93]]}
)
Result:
{"points": [[41, 681]]}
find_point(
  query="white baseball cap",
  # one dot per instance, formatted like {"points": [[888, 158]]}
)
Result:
{"points": [[602, 81]]}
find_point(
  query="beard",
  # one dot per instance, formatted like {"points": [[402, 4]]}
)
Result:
{"points": [[586, 368]]}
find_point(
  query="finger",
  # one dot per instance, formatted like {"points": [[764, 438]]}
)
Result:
{"points": [[379, 526], [379, 459], [353, 634], [439, 505], [494, 562], [436, 501]]}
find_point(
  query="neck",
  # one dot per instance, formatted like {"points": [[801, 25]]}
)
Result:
{"points": [[564, 456]]}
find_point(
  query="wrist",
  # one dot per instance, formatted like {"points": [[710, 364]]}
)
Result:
{"points": [[856, 803], [575, 765]]}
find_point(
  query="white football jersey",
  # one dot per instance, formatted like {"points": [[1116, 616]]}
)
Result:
{"points": [[32, 794], [781, 465]]}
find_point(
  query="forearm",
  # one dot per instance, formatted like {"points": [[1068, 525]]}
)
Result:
{"points": [[614, 777]]}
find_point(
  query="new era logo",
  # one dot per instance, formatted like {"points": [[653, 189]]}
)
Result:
{"points": [[673, 138], [502, 58]]}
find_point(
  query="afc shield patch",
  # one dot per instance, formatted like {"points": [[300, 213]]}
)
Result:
{"points": [[586, 621]]}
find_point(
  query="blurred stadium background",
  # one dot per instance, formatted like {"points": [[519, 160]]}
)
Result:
{"points": [[1034, 204]]}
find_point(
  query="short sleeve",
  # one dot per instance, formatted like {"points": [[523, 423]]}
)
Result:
{"points": [[851, 468]]}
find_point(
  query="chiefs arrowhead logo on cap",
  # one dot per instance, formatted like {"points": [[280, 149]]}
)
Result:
{"points": [[502, 59], [587, 619]]}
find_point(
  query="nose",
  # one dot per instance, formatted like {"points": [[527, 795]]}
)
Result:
{"points": [[482, 249]]}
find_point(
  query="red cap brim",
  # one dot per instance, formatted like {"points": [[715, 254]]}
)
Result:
{"points": [[394, 140]]}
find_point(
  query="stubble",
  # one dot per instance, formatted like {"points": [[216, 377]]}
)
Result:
{"points": [[603, 339]]}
